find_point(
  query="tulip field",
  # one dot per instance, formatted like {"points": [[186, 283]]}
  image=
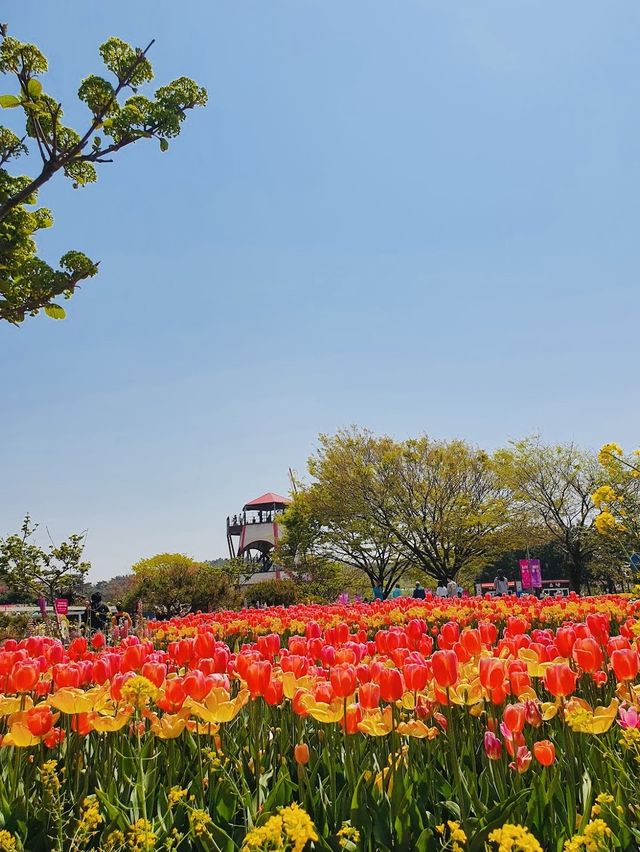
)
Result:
{"points": [[472, 724]]}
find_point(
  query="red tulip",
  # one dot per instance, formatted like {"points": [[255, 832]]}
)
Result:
{"points": [[258, 677], [587, 654], [204, 645], [445, 668], [155, 672], [565, 639], [343, 680], [80, 724], [273, 692], [39, 721], [25, 676], [301, 754], [68, 674], [472, 642], [133, 658], [54, 737], [514, 717], [522, 761], [416, 676], [98, 641], [369, 695], [544, 752], [560, 680], [624, 663], [391, 686], [174, 695], [492, 672]]}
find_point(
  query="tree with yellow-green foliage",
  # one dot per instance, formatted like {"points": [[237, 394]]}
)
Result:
{"points": [[552, 485], [119, 115], [617, 500], [383, 506]]}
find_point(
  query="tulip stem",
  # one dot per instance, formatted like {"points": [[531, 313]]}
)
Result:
{"points": [[455, 765]]}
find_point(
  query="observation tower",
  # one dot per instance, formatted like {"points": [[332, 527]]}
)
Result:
{"points": [[253, 533]]}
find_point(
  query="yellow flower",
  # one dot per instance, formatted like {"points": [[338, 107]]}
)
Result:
{"points": [[8, 842], [583, 720], [175, 795], [595, 837], [514, 838], [199, 822], [71, 700], [418, 729], [169, 726], [218, 706], [140, 836], [139, 691], [298, 826], [606, 524], [90, 818], [115, 841], [10, 705], [20, 736], [604, 497], [348, 836], [264, 836], [377, 723], [321, 711], [608, 453], [109, 724]]}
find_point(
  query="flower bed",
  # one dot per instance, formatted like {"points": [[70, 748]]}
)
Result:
{"points": [[426, 725]]}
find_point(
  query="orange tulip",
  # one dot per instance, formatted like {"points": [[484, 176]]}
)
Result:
{"points": [[25, 676], [391, 686], [369, 695], [544, 752], [301, 754], [343, 680]]}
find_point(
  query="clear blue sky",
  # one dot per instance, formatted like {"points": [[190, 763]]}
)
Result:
{"points": [[413, 216]]}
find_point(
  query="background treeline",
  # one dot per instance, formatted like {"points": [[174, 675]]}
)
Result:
{"points": [[375, 511], [428, 510]]}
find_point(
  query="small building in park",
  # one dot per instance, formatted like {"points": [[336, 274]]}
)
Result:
{"points": [[252, 535]]}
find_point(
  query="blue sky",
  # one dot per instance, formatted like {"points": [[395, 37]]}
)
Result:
{"points": [[411, 216]]}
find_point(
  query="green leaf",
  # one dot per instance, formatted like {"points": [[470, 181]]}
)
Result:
{"points": [[8, 101], [34, 87], [164, 145], [55, 312]]}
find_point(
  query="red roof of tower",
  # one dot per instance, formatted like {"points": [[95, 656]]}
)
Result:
{"points": [[266, 501]]}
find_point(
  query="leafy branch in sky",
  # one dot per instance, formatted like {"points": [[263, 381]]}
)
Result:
{"points": [[119, 116]]}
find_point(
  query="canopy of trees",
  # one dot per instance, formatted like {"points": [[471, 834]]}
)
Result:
{"points": [[446, 509]]}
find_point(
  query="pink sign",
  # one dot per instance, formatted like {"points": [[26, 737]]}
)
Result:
{"points": [[61, 606], [525, 573], [42, 603], [536, 573]]}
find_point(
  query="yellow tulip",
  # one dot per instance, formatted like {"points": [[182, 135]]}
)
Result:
{"points": [[218, 706], [71, 700], [109, 724], [9, 704], [290, 683], [169, 726], [20, 736], [377, 723], [322, 712], [416, 728], [583, 720]]}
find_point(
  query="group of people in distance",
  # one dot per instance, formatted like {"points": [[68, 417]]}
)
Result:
{"points": [[448, 589], [97, 616]]}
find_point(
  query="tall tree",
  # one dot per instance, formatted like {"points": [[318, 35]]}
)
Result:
{"points": [[28, 283], [553, 485], [617, 500], [332, 519], [384, 505], [31, 571]]}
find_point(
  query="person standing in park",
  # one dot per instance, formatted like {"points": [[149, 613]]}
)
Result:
{"points": [[418, 591], [501, 584], [378, 594], [96, 614], [441, 591], [452, 588], [397, 591], [120, 622]]}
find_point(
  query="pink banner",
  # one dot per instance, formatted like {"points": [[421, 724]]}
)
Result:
{"points": [[525, 573], [61, 606], [536, 573]]}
